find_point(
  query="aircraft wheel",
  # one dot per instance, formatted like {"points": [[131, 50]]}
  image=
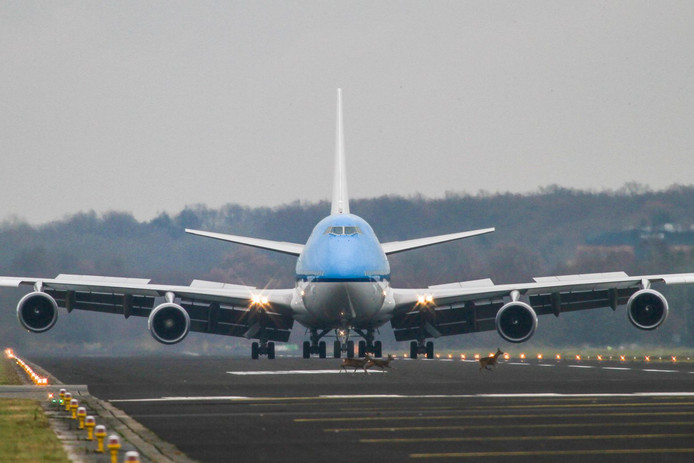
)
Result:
{"points": [[413, 350], [254, 351], [362, 349], [271, 350], [321, 349], [430, 350], [378, 349], [307, 349], [337, 349]]}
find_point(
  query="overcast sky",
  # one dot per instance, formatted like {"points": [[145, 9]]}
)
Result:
{"points": [[145, 106]]}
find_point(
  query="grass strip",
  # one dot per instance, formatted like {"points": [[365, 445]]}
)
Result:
{"points": [[24, 430]]}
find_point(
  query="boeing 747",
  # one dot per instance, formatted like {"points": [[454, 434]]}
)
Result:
{"points": [[343, 290]]}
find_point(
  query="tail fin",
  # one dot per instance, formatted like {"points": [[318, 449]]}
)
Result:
{"points": [[340, 204]]}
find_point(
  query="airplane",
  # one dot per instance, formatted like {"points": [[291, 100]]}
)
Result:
{"points": [[343, 290]]}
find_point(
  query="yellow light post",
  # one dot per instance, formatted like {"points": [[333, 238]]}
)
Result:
{"points": [[67, 397], [100, 433], [113, 447], [81, 415], [89, 423], [74, 405]]}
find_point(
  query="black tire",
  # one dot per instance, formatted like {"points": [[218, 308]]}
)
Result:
{"points": [[307, 349], [413, 350], [378, 349], [362, 349], [321, 349], [337, 349], [254, 351], [271, 350], [350, 349], [430, 350]]}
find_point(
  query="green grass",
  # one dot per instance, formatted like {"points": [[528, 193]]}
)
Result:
{"points": [[24, 430]]}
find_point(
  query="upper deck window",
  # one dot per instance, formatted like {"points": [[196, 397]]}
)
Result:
{"points": [[343, 230]]}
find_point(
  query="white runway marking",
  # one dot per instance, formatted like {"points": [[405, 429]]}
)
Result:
{"points": [[296, 372], [400, 396], [580, 366]]}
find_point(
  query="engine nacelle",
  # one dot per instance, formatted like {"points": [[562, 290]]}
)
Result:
{"points": [[516, 321], [37, 312], [169, 323], [647, 309]]}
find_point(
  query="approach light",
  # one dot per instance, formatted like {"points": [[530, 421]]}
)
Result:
{"points": [[600, 357], [522, 356], [674, 358], [462, 357], [578, 357], [558, 356], [539, 356], [477, 356], [622, 358], [507, 356], [647, 358]]}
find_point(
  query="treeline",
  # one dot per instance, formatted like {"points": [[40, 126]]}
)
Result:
{"points": [[537, 234]]}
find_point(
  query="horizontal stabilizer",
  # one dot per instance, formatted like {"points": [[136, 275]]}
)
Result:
{"points": [[293, 249], [399, 246]]}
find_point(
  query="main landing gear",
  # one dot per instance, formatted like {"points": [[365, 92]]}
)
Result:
{"points": [[365, 346], [315, 346], [343, 345], [421, 347], [263, 348]]}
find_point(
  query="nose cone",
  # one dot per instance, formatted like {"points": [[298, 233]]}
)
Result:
{"points": [[338, 251]]}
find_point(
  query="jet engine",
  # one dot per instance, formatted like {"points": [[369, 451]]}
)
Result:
{"points": [[169, 323], [516, 321], [37, 312], [647, 309]]}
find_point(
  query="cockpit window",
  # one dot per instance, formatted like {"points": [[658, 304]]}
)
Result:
{"points": [[343, 230]]}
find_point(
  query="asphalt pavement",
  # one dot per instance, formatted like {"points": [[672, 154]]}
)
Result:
{"points": [[289, 409]]}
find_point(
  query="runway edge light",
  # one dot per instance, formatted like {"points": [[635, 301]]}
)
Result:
{"points": [[113, 447], [100, 433]]}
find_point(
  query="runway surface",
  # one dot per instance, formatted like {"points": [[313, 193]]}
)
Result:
{"points": [[289, 409]]}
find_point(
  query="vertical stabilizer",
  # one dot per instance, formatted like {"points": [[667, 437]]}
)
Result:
{"points": [[340, 204]]}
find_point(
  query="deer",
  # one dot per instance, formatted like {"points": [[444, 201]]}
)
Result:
{"points": [[374, 362], [491, 361], [354, 363]]}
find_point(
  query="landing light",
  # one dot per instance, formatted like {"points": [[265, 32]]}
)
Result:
{"points": [[425, 299], [257, 299]]}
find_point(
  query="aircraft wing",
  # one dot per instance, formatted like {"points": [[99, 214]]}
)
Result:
{"points": [[472, 306], [216, 308], [285, 247], [399, 246]]}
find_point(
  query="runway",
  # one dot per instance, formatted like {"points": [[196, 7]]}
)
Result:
{"points": [[288, 409]]}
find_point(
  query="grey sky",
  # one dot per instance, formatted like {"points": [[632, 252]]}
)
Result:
{"points": [[146, 106]]}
